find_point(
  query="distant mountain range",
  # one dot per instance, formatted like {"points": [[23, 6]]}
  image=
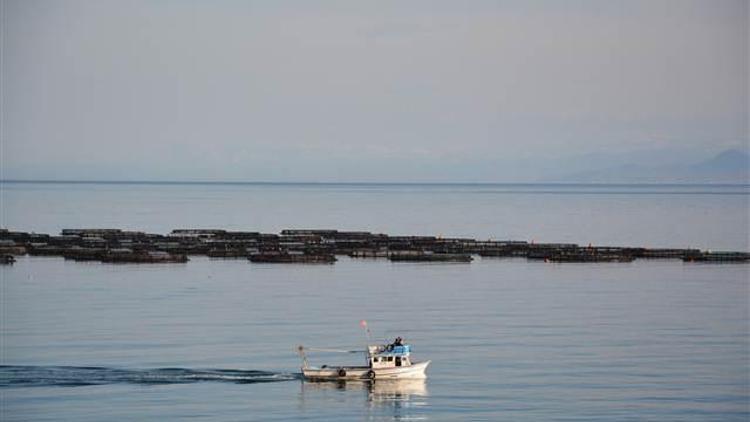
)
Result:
{"points": [[729, 166]]}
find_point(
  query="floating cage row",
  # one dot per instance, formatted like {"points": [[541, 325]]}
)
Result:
{"points": [[315, 246]]}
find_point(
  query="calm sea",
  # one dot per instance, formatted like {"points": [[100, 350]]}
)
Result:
{"points": [[509, 339]]}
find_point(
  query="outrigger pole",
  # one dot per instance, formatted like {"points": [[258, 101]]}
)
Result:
{"points": [[301, 351], [320, 349]]}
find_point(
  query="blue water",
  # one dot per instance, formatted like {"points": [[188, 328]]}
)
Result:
{"points": [[700, 216], [509, 339]]}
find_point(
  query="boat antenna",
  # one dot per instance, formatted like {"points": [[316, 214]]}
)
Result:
{"points": [[363, 324]]}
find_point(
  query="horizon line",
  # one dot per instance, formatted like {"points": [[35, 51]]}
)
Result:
{"points": [[364, 183]]}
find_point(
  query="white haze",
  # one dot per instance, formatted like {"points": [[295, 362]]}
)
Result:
{"points": [[364, 91]]}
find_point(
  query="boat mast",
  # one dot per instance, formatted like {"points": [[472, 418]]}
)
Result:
{"points": [[301, 351], [363, 324]]}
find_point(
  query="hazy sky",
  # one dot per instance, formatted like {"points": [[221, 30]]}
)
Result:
{"points": [[363, 91]]}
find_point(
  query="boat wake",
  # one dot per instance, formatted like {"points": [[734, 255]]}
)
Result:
{"points": [[73, 376]]}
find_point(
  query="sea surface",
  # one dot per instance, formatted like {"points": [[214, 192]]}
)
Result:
{"points": [[509, 339]]}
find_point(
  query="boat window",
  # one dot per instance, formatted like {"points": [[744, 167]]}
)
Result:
{"points": [[390, 358], [376, 359]]}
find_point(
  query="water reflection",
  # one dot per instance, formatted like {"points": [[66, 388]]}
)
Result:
{"points": [[390, 399]]}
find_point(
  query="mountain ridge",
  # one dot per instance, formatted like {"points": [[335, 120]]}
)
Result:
{"points": [[728, 166]]}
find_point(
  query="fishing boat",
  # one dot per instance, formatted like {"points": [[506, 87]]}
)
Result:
{"points": [[391, 361]]}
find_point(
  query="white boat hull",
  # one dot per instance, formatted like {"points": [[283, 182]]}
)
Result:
{"points": [[413, 371]]}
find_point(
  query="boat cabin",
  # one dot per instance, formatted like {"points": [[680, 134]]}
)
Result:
{"points": [[389, 356], [392, 361]]}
